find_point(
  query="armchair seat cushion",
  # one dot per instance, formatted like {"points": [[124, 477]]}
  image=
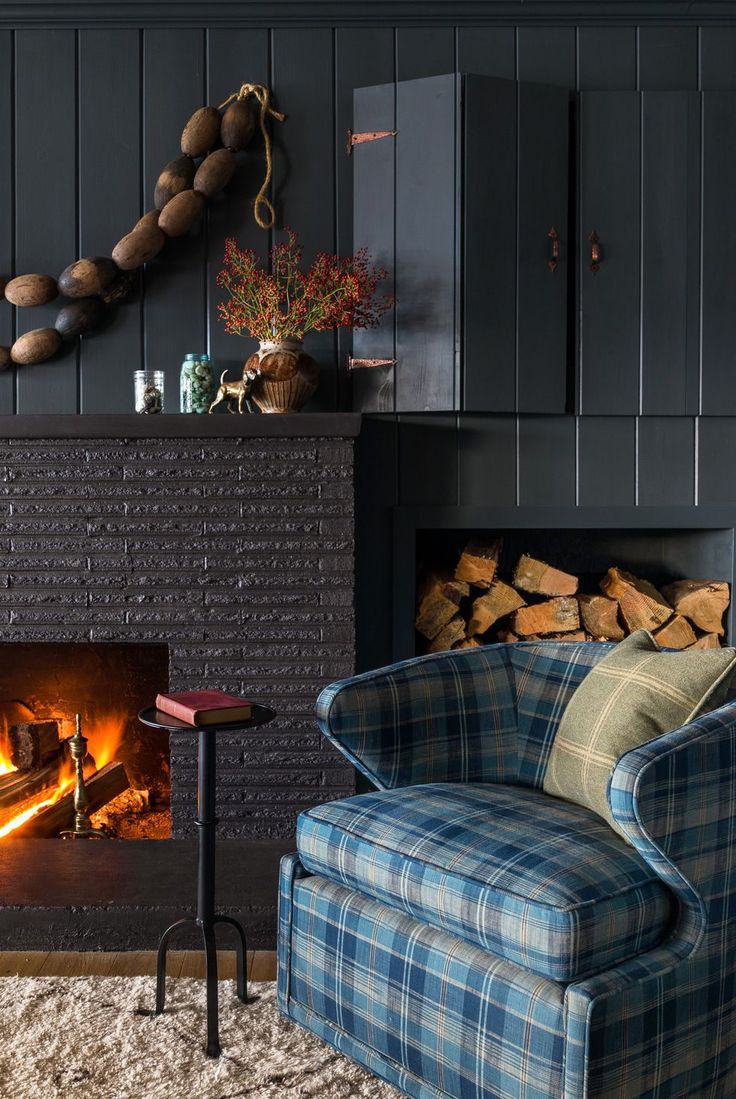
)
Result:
{"points": [[530, 878]]}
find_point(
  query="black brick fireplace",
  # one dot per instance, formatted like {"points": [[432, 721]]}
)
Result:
{"points": [[233, 547]]}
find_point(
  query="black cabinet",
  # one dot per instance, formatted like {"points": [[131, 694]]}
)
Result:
{"points": [[466, 205]]}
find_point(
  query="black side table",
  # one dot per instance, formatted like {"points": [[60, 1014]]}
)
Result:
{"points": [[206, 822]]}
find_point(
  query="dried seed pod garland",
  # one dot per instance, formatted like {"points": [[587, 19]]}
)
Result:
{"points": [[238, 125], [28, 290], [178, 175], [201, 132], [35, 346], [123, 288], [79, 317], [180, 213], [215, 172], [5, 359], [138, 247], [263, 210], [87, 276]]}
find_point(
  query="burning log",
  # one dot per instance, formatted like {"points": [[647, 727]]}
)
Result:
{"points": [[101, 787], [18, 786], [33, 743]]}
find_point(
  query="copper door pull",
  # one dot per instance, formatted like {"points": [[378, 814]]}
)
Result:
{"points": [[554, 237], [595, 252]]}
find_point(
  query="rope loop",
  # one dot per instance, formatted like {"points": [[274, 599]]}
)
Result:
{"points": [[263, 96]]}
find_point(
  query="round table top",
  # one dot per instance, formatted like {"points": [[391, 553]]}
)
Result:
{"points": [[157, 719]]}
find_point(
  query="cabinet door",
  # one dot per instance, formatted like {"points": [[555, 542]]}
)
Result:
{"points": [[719, 246], [639, 310]]}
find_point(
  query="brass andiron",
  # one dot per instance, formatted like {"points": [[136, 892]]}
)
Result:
{"points": [[82, 828]]}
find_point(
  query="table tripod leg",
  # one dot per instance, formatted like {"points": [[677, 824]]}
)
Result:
{"points": [[210, 953], [241, 956], [161, 961]]}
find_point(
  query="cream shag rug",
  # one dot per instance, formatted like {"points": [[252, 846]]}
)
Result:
{"points": [[82, 1036]]}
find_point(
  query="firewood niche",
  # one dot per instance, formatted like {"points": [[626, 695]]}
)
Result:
{"points": [[477, 603], [42, 687]]}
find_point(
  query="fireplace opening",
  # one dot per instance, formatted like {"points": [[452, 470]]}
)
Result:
{"points": [[43, 686], [479, 586]]}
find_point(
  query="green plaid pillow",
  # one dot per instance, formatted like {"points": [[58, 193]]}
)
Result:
{"points": [[634, 694]]}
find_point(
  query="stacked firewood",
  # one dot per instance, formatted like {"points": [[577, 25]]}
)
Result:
{"points": [[41, 761], [474, 606]]}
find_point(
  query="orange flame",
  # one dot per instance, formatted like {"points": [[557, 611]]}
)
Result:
{"points": [[104, 738]]}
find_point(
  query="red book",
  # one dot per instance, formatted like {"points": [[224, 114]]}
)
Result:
{"points": [[204, 707]]}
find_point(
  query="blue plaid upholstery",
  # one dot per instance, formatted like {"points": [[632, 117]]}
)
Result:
{"points": [[445, 1019], [535, 880]]}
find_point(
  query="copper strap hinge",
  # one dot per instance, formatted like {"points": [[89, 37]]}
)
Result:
{"points": [[367, 135], [364, 364]]}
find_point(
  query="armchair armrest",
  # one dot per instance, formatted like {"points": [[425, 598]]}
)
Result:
{"points": [[449, 717], [675, 798]]}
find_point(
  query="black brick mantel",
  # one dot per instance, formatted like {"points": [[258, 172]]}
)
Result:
{"points": [[233, 546]]}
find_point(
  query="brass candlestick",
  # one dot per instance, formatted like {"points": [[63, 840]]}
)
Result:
{"points": [[82, 828]]}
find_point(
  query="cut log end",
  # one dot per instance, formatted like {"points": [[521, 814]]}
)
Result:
{"points": [[558, 615], [478, 562], [539, 578]]}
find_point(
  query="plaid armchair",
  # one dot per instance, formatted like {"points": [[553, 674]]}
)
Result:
{"points": [[460, 933]]}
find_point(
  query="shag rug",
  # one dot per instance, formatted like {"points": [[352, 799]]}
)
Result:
{"points": [[65, 1036]]}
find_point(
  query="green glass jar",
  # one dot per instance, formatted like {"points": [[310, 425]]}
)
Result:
{"points": [[196, 386]]}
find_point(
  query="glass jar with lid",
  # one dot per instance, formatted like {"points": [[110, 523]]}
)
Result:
{"points": [[196, 387]]}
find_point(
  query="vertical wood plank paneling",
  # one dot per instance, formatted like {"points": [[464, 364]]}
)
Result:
{"points": [[7, 377], [668, 58], [716, 441], [607, 58], [376, 494], [670, 224], [46, 210], [424, 51], [304, 162], [666, 454], [174, 305], [609, 299], [717, 58], [489, 51], [607, 461], [234, 57], [546, 461], [489, 301], [374, 191], [426, 241], [718, 244], [487, 460], [109, 203], [363, 57], [547, 55], [428, 459]]}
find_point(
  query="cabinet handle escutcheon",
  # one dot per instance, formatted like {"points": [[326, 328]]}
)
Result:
{"points": [[554, 237], [595, 252]]}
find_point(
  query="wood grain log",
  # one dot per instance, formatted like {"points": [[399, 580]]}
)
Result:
{"points": [[18, 786], [478, 562], [468, 643], [704, 602], [439, 599], [675, 634], [538, 578], [238, 125], [5, 358], [28, 290], [79, 317], [35, 346], [138, 247], [201, 132], [178, 175], [642, 606], [573, 635], [506, 636], [32, 744], [500, 599], [559, 615], [450, 633], [88, 276], [707, 641], [599, 616], [215, 172], [101, 787], [180, 213]]}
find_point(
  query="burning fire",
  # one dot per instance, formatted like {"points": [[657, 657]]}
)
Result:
{"points": [[104, 738]]}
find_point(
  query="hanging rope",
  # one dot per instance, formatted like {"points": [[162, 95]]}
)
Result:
{"points": [[263, 96]]}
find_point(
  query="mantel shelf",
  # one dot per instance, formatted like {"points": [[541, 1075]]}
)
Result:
{"points": [[180, 426]]}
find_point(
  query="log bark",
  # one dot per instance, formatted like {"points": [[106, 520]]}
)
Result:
{"points": [[599, 616], [500, 599], [539, 578], [704, 602], [33, 744], [439, 598], [676, 634], [642, 606], [102, 786], [478, 562], [558, 615]]}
